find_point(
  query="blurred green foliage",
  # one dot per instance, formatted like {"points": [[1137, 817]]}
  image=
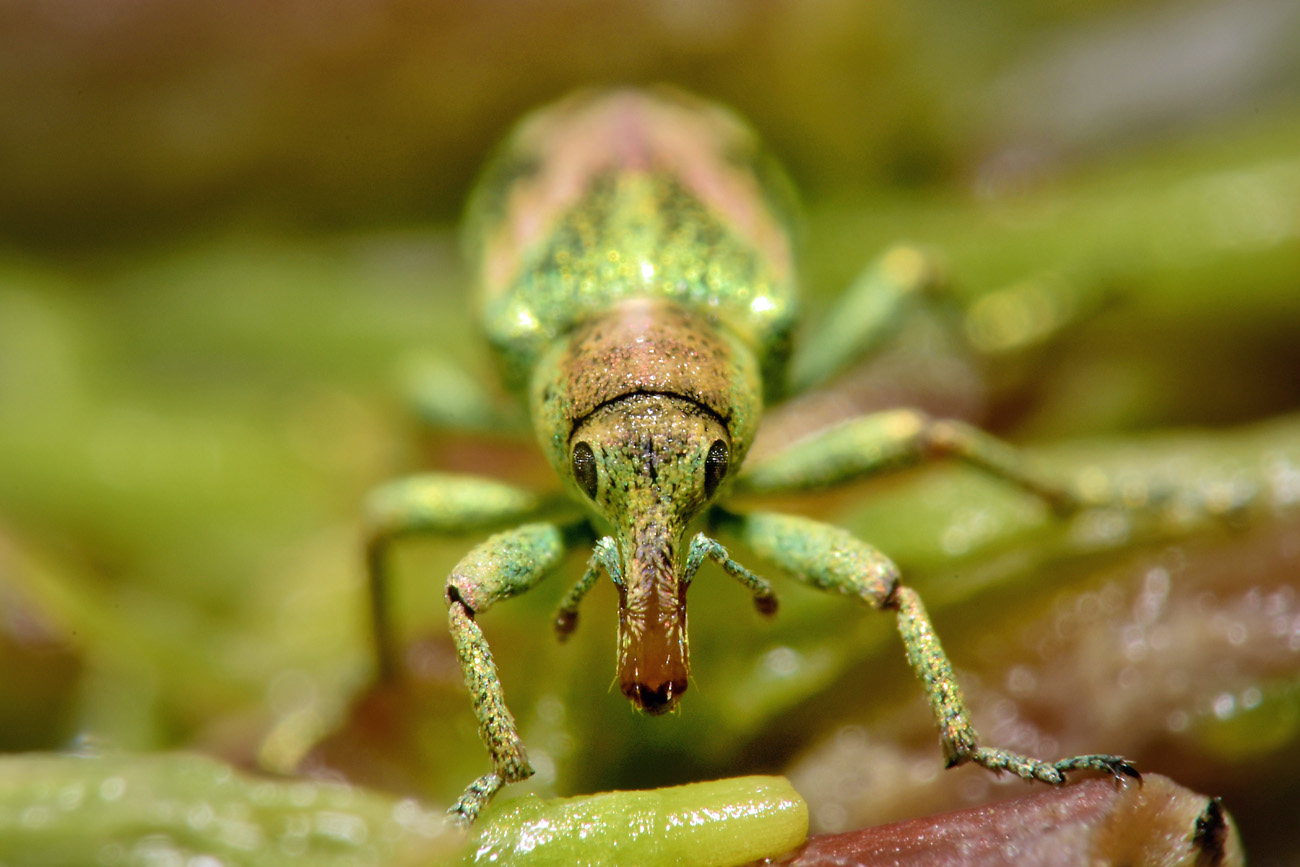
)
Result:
{"points": [[225, 248], [179, 809]]}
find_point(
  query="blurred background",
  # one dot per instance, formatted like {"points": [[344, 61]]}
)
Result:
{"points": [[228, 252]]}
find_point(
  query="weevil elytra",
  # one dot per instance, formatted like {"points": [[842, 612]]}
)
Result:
{"points": [[637, 282]]}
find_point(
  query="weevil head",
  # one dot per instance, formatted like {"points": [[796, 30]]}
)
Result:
{"points": [[646, 412], [649, 464]]}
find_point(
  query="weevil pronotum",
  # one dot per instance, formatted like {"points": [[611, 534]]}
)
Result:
{"points": [[637, 282]]}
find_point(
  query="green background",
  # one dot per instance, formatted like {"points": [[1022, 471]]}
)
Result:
{"points": [[227, 250]]}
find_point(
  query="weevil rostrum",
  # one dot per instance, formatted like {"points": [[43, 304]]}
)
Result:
{"points": [[637, 283]]}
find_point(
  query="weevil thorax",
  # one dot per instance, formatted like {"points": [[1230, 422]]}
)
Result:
{"points": [[636, 275]]}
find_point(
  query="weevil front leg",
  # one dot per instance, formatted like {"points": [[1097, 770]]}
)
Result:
{"points": [[834, 560], [702, 546], [893, 440], [505, 565], [430, 504], [604, 557]]}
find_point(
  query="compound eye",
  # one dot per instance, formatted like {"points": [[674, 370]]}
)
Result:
{"points": [[715, 467], [584, 469]]}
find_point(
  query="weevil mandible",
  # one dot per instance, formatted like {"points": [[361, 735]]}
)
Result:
{"points": [[637, 282]]}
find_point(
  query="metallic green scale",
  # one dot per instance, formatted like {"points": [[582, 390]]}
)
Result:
{"points": [[635, 233], [642, 236], [636, 279]]}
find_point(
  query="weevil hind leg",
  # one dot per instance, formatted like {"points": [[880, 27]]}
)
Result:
{"points": [[906, 279], [865, 315], [834, 560], [900, 285], [960, 743]]}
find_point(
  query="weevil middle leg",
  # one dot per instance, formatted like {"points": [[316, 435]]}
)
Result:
{"points": [[836, 561], [430, 504], [897, 284], [892, 440], [865, 316]]}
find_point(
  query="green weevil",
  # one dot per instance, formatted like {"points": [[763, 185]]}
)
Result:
{"points": [[636, 276]]}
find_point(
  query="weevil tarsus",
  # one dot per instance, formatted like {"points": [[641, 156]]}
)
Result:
{"points": [[636, 280]]}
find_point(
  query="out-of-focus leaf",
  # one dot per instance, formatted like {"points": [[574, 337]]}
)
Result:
{"points": [[120, 810], [169, 808]]}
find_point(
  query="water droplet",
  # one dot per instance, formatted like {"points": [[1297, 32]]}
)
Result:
{"points": [[1135, 643], [1021, 680], [302, 794], [111, 855], [851, 738], [157, 850], [293, 842], [345, 827], [264, 794], [241, 835], [550, 710], [112, 789], [1005, 711], [832, 817], [36, 816], [200, 816], [782, 661], [924, 771], [70, 796]]}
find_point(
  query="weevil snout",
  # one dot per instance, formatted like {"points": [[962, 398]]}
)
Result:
{"points": [[653, 659], [656, 701], [649, 464]]}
